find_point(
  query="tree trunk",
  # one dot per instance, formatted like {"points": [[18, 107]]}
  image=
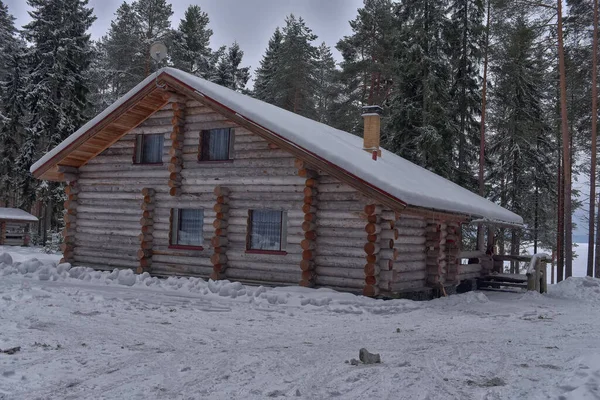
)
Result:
{"points": [[480, 231], [590, 265], [560, 230], [568, 252]]}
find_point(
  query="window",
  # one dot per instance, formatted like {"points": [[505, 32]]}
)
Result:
{"points": [[267, 230], [148, 149], [216, 145], [186, 227]]}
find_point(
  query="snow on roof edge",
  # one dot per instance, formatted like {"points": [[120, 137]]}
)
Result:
{"points": [[16, 214]]}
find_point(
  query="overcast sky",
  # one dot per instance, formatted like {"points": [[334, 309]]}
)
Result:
{"points": [[249, 22]]}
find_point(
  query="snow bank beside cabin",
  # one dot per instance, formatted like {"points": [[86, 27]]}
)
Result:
{"points": [[322, 298], [585, 289]]}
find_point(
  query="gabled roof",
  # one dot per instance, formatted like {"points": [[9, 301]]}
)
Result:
{"points": [[16, 215], [390, 175]]}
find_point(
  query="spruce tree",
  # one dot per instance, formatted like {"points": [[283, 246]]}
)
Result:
{"points": [[420, 127], [59, 56], [191, 44], [327, 87], [228, 72], [13, 76], [263, 89], [521, 175], [367, 75], [465, 37], [286, 77]]}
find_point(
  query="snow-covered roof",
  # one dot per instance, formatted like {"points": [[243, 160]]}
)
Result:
{"points": [[390, 173], [16, 214]]}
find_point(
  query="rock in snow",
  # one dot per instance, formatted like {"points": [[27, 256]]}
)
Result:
{"points": [[368, 358]]}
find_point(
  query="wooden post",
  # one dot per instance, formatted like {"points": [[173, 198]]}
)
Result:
{"points": [[453, 247], [372, 249], [144, 254], [219, 240], [388, 237], [308, 244], [2, 232], [176, 159], [70, 216]]}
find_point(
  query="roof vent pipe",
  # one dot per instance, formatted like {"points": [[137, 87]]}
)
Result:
{"points": [[372, 132]]}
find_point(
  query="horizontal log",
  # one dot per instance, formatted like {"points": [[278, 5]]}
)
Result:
{"points": [[340, 272], [408, 285], [409, 266], [410, 223], [263, 276], [469, 268], [193, 260], [338, 282]]}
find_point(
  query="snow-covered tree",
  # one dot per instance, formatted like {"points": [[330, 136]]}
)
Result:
{"points": [[191, 50], [228, 72], [327, 86], [465, 37], [59, 56], [419, 126], [123, 59], [13, 76], [263, 89]]}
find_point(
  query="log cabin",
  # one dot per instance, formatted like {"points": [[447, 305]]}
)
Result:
{"points": [[185, 177], [14, 226]]}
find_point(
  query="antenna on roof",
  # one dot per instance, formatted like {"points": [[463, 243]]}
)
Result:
{"points": [[158, 52]]}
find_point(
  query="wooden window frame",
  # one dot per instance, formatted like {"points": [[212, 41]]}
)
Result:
{"points": [[230, 149], [141, 137], [174, 222], [282, 233]]}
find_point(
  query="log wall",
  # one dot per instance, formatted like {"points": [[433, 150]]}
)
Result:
{"points": [[335, 237]]}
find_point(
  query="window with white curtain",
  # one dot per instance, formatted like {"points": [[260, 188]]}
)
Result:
{"points": [[267, 230], [186, 227], [215, 144], [149, 149]]}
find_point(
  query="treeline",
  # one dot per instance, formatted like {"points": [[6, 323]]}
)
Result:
{"points": [[423, 61]]}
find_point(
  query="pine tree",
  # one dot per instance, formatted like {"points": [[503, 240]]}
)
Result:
{"points": [[153, 17], [123, 58], [229, 73], [420, 127], [520, 147], [191, 44], [263, 89], [57, 91]]}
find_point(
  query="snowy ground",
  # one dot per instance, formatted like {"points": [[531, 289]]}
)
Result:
{"points": [[86, 334]]}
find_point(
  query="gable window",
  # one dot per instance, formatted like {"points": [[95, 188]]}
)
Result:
{"points": [[216, 145], [149, 149], [267, 230], [186, 227]]}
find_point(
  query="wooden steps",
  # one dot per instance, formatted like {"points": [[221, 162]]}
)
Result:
{"points": [[497, 281]]}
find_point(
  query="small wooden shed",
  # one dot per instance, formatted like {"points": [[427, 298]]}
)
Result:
{"points": [[184, 177], [14, 224]]}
